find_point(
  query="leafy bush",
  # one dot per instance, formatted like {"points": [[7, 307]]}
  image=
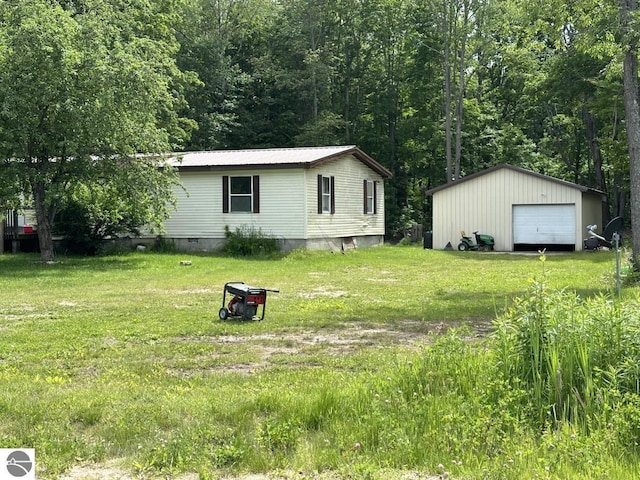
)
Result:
{"points": [[85, 227], [248, 241]]}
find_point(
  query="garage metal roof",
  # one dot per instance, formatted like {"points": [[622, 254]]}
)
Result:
{"points": [[304, 157], [517, 169]]}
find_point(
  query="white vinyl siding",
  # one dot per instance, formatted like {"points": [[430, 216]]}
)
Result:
{"points": [[288, 204], [199, 210], [349, 218]]}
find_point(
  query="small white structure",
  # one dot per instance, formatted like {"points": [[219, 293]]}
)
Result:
{"points": [[522, 209], [316, 197]]}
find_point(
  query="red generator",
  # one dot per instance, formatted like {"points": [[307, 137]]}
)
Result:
{"points": [[244, 302]]}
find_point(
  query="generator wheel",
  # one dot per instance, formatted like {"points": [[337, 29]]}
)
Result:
{"points": [[463, 247], [223, 313]]}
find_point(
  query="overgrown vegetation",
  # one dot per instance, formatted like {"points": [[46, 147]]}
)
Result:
{"points": [[163, 245], [123, 358], [84, 230], [247, 241], [577, 359]]}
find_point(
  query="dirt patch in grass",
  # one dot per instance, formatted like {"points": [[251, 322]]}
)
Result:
{"points": [[269, 349], [112, 471]]}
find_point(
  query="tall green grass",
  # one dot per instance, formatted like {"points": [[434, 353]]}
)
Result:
{"points": [[124, 358], [575, 356]]}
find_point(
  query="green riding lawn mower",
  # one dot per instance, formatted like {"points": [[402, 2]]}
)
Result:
{"points": [[483, 242]]}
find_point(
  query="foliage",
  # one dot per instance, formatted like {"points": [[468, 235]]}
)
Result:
{"points": [[534, 86], [9, 187], [162, 245], [80, 234], [576, 358], [246, 241], [83, 90], [98, 211]]}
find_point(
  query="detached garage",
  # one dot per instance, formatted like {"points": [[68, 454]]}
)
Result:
{"points": [[522, 209]]}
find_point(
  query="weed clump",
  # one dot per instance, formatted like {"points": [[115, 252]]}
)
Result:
{"points": [[576, 358], [164, 245], [249, 241]]}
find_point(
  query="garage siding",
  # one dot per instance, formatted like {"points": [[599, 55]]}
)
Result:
{"points": [[485, 202]]}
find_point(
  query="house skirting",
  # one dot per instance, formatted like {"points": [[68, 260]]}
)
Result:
{"points": [[203, 245]]}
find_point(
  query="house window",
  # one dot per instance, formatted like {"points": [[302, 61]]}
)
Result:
{"points": [[370, 197], [241, 193], [326, 194]]}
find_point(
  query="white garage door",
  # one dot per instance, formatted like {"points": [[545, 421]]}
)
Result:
{"points": [[544, 224]]}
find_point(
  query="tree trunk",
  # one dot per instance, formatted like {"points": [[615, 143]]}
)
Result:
{"points": [[15, 243], [347, 105], [619, 196], [447, 90], [632, 116], [460, 100], [596, 155], [461, 86], [632, 121], [44, 216], [459, 109], [1, 235]]}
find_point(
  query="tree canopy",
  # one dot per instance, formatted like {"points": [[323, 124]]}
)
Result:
{"points": [[85, 88], [434, 90]]}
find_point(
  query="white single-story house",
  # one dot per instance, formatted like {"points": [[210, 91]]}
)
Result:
{"points": [[522, 209], [315, 197]]}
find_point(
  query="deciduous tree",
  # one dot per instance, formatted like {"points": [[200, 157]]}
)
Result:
{"points": [[84, 88]]}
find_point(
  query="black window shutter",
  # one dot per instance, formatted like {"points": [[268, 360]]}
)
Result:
{"points": [[375, 197], [225, 194], [333, 194], [319, 193], [256, 194], [364, 189]]}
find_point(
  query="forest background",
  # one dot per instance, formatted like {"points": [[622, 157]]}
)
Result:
{"points": [[432, 89]]}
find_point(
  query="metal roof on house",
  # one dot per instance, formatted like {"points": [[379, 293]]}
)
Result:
{"points": [[304, 157], [517, 169]]}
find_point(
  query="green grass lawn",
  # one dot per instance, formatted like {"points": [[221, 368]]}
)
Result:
{"points": [[124, 357]]}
